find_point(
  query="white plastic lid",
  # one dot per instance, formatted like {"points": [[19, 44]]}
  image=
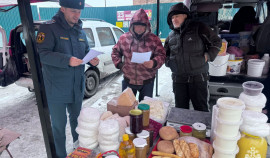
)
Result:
{"points": [[112, 156], [224, 151], [228, 138], [199, 126], [256, 61], [127, 130], [253, 101], [230, 103], [139, 142], [266, 54], [260, 130], [89, 114], [254, 117], [143, 134]]}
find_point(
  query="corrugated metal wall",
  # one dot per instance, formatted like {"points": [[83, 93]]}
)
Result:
{"points": [[10, 19], [108, 14]]}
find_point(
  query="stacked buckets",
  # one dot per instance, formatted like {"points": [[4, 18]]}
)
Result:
{"points": [[227, 120]]}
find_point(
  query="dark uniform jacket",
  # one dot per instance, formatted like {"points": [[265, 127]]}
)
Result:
{"points": [[186, 47], [57, 43]]}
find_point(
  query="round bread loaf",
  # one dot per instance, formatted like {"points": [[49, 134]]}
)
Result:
{"points": [[165, 146], [168, 133]]}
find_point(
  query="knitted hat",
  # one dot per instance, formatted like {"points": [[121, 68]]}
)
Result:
{"points": [[74, 4]]}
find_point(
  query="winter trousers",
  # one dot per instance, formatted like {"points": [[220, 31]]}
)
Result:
{"points": [[197, 92], [144, 90], [59, 120]]}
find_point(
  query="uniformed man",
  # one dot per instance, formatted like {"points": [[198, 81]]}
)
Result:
{"points": [[62, 44]]}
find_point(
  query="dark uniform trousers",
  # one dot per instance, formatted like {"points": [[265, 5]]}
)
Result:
{"points": [[144, 90], [194, 88], [59, 120]]}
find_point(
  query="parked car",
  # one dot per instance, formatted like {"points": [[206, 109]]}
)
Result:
{"points": [[101, 36]]}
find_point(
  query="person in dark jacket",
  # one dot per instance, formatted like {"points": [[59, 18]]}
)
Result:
{"points": [[62, 44], [243, 20], [188, 47], [139, 76]]}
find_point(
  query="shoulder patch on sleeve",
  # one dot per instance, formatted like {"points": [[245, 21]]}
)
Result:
{"points": [[40, 37], [50, 22]]}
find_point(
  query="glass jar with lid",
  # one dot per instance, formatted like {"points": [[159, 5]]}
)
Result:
{"points": [[136, 121], [185, 130], [145, 135], [140, 147], [130, 134], [199, 130], [146, 114]]}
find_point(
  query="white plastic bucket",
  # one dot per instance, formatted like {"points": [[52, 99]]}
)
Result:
{"points": [[220, 153], [228, 129], [226, 143], [255, 67], [230, 109], [219, 66], [234, 66]]}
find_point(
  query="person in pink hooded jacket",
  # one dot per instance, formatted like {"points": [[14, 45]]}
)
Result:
{"points": [[139, 77]]}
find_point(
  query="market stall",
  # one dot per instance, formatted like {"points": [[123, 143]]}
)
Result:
{"points": [[153, 129]]}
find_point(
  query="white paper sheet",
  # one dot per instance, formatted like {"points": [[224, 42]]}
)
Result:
{"points": [[90, 55], [140, 57]]}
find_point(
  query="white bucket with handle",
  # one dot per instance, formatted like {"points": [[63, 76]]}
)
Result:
{"points": [[219, 66]]}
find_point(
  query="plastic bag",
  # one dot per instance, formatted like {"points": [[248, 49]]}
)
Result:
{"points": [[158, 109], [9, 74]]}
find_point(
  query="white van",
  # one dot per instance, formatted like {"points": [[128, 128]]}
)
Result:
{"points": [[101, 36]]}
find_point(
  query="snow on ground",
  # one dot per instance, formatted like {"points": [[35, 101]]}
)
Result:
{"points": [[19, 112]]}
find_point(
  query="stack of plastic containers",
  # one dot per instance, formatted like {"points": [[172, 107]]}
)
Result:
{"points": [[108, 137], [226, 127], [88, 123], [252, 96], [254, 130]]}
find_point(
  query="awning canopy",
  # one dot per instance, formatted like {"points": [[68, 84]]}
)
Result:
{"points": [[8, 3]]}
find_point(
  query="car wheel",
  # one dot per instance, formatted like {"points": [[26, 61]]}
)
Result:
{"points": [[30, 89], [91, 83]]}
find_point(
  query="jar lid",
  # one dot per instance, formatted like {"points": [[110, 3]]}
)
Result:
{"points": [[143, 134], [143, 107], [128, 131], [139, 142], [135, 112], [230, 103], [199, 126], [112, 156], [186, 129], [125, 137]]}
